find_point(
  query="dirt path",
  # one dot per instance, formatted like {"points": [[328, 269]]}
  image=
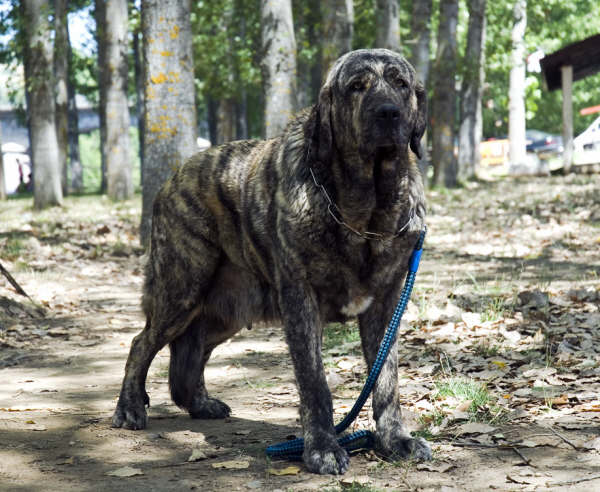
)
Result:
{"points": [[500, 357]]}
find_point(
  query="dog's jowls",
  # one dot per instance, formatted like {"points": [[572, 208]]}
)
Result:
{"points": [[242, 233]]}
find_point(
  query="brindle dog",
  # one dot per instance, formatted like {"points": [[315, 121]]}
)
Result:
{"points": [[313, 226]]}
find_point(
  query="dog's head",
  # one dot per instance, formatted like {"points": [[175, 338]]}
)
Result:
{"points": [[371, 105]]}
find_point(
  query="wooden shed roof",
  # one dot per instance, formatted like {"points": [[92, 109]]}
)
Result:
{"points": [[583, 55]]}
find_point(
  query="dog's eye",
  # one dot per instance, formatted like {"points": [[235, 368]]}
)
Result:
{"points": [[357, 86], [400, 82]]}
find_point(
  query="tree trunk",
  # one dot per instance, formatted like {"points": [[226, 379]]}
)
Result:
{"points": [[74, 158], [421, 35], [170, 108], [241, 102], [212, 111], [139, 97], [443, 118], [115, 110], [100, 15], [516, 91], [227, 117], [387, 25], [338, 30], [2, 181], [279, 64], [61, 76], [226, 121], [307, 18], [39, 82], [471, 125], [241, 112]]}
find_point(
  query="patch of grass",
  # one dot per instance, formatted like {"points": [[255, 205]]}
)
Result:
{"points": [[260, 384], [486, 349], [495, 309], [463, 390], [12, 248], [337, 334], [427, 421]]}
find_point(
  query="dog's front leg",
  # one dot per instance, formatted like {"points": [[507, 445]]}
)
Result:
{"points": [[393, 440], [300, 314]]}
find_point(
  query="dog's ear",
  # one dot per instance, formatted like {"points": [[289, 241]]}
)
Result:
{"points": [[318, 127], [420, 121]]}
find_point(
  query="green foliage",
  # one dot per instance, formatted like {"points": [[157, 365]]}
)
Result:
{"points": [[227, 40], [551, 25], [89, 148], [337, 334]]}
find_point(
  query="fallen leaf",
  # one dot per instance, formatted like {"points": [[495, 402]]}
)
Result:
{"points": [[464, 406], [520, 480], [527, 443], [290, 470], [232, 465], [475, 428], [458, 415], [593, 444], [357, 480], [437, 467], [126, 471], [471, 319], [197, 455], [242, 432], [560, 400]]}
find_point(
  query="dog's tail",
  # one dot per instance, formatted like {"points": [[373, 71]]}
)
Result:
{"points": [[186, 353]]}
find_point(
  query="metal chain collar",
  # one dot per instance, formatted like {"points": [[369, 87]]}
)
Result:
{"points": [[334, 211]]}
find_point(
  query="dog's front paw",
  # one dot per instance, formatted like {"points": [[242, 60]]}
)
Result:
{"points": [[328, 458], [402, 446], [130, 414], [209, 408]]}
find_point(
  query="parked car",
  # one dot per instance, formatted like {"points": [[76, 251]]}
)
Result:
{"points": [[539, 141]]}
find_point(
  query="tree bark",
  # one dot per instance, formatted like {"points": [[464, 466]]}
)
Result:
{"points": [[227, 116], [338, 30], [421, 35], [443, 119], [139, 97], [516, 91], [39, 82], [387, 25], [115, 110], [226, 121], [212, 111], [566, 75], [279, 64], [471, 121], [61, 76], [74, 157], [100, 15], [170, 109], [2, 181]]}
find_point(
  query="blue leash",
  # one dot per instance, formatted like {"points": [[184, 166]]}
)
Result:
{"points": [[292, 450]]}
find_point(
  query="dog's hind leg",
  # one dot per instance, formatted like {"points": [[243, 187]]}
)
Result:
{"points": [[189, 354]]}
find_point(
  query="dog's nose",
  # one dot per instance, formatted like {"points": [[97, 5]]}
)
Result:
{"points": [[387, 112]]}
